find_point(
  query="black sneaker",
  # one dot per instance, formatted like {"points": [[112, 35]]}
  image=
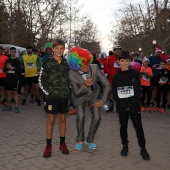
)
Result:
{"points": [[111, 106], [110, 109], [23, 102], [38, 102], [144, 154], [168, 106], [152, 103], [124, 151]]}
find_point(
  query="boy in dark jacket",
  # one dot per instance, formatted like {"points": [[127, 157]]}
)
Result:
{"points": [[54, 83], [163, 78], [127, 91]]}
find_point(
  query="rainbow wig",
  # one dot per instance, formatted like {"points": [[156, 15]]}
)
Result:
{"points": [[78, 57]]}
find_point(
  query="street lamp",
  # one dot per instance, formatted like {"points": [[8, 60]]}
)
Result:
{"points": [[140, 49], [154, 45]]}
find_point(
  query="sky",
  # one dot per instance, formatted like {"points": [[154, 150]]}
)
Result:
{"points": [[102, 14]]}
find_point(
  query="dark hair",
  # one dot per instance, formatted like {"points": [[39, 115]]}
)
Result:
{"points": [[163, 62], [12, 48], [111, 52], [58, 41], [29, 47], [1, 48], [124, 55]]}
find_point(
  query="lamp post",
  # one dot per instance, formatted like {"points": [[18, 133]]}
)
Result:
{"points": [[140, 49], [154, 45]]}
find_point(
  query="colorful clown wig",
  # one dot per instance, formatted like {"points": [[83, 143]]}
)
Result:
{"points": [[78, 57]]}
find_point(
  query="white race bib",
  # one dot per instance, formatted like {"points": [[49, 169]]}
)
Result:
{"points": [[11, 71], [125, 92], [163, 79], [30, 65], [146, 78], [101, 65], [116, 64]]}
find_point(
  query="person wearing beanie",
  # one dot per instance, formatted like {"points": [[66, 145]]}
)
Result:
{"points": [[83, 79], [146, 75]]}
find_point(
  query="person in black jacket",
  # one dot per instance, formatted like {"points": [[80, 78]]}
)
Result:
{"points": [[163, 78], [127, 92], [13, 69]]}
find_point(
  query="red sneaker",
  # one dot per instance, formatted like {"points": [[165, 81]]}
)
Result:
{"points": [[149, 109], [156, 109], [163, 111], [142, 109], [63, 148], [47, 152], [72, 112]]}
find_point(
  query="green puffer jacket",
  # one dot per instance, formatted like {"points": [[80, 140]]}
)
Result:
{"points": [[53, 79]]}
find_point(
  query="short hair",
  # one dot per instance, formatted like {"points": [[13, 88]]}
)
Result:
{"points": [[1, 48], [111, 52], [163, 62], [12, 48], [58, 41], [124, 55], [29, 47]]}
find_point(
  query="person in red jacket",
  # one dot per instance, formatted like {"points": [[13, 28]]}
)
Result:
{"points": [[112, 67], [3, 58], [102, 60], [164, 56]]}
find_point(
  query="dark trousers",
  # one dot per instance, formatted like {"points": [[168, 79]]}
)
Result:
{"points": [[146, 90], [137, 123], [162, 90]]}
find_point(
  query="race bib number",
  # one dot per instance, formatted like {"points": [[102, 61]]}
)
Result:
{"points": [[116, 64], [11, 71], [163, 79], [125, 92], [30, 65], [146, 78], [102, 65], [0, 70]]}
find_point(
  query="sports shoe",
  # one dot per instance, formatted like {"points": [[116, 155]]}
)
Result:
{"points": [[124, 151], [79, 145], [38, 102], [144, 154], [168, 106], [6, 108], [64, 148], [23, 102], [16, 110], [152, 103], [47, 152], [91, 145], [72, 112], [156, 109], [111, 106], [149, 109], [163, 111], [142, 109]]}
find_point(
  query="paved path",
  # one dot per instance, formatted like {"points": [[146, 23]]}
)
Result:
{"points": [[22, 142]]}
